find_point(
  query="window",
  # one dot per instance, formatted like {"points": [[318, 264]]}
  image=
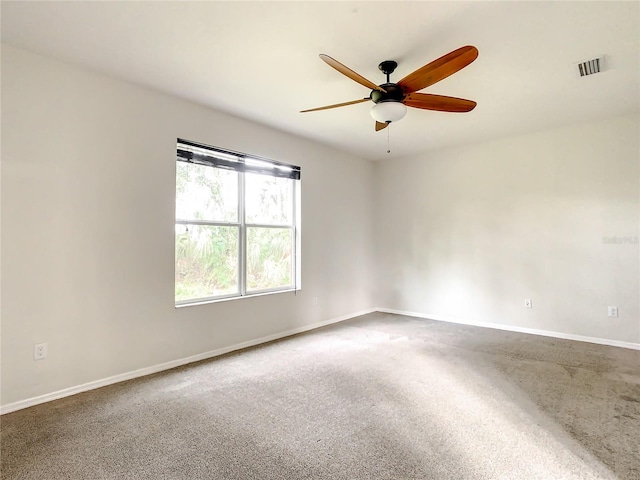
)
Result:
{"points": [[237, 219]]}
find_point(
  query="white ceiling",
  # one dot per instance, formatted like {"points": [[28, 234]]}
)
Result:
{"points": [[259, 60]]}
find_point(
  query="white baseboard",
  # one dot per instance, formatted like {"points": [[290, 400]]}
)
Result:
{"points": [[30, 402], [510, 328]]}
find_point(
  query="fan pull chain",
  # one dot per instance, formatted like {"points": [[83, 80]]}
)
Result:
{"points": [[388, 142]]}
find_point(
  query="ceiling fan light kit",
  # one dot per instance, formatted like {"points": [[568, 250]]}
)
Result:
{"points": [[392, 99], [389, 111]]}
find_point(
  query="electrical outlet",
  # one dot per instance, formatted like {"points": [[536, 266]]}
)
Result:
{"points": [[315, 300], [527, 303], [613, 311], [40, 351]]}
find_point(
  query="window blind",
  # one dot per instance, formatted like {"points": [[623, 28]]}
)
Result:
{"points": [[193, 152]]}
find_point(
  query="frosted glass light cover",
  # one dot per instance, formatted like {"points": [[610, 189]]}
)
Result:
{"points": [[384, 112]]}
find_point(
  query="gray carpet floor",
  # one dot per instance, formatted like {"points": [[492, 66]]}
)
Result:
{"points": [[376, 397]]}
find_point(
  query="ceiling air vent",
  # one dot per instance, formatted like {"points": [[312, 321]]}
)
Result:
{"points": [[591, 66]]}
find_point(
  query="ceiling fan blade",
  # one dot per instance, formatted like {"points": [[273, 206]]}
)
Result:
{"points": [[438, 69], [350, 73], [440, 103], [380, 126], [336, 105]]}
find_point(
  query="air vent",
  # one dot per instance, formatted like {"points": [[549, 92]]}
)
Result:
{"points": [[591, 67]]}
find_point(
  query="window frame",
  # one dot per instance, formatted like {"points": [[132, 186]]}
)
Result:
{"points": [[243, 226]]}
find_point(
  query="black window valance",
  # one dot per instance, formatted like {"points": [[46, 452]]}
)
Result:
{"points": [[193, 152]]}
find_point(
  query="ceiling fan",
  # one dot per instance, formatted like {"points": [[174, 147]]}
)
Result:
{"points": [[392, 99]]}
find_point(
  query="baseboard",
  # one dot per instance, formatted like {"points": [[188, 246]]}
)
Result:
{"points": [[67, 392], [510, 328]]}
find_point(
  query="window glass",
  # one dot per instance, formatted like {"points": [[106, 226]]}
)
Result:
{"points": [[206, 261], [269, 200], [206, 193], [269, 258]]}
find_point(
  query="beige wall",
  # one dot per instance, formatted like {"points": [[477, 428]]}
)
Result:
{"points": [[467, 234], [88, 191]]}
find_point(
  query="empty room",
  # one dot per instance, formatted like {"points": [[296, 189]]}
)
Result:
{"points": [[320, 240]]}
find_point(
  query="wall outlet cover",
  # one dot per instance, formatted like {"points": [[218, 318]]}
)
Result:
{"points": [[40, 351]]}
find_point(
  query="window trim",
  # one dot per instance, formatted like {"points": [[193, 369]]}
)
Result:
{"points": [[241, 163]]}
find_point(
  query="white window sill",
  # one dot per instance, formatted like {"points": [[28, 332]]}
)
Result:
{"points": [[234, 298]]}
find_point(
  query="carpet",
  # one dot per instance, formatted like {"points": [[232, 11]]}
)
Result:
{"points": [[376, 397]]}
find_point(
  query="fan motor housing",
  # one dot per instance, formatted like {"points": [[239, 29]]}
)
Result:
{"points": [[394, 93]]}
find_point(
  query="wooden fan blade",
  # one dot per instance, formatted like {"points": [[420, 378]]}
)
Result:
{"points": [[380, 126], [427, 101], [332, 62], [336, 105], [438, 69]]}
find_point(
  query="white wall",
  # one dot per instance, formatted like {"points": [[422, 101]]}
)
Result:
{"points": [[88, 191], [467, 234], [87, 210]]}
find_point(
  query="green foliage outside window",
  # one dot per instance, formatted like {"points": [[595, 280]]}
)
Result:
{"points": [[207, 256]]}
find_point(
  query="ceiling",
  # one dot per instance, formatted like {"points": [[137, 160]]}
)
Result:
{"points": [[259, 60]]}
